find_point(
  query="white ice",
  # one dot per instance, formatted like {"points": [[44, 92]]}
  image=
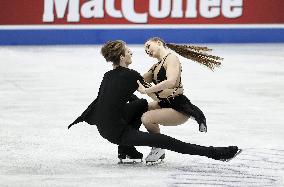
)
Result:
{"points": [[43, 89]]}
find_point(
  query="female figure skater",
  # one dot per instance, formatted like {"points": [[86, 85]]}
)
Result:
{"points": [[107, 112], [172, 109]]}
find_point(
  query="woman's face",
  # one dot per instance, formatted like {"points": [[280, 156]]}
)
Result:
{"points": [[152, 48]]}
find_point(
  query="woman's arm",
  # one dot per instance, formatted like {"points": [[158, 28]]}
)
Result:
{"points": [[171, 92], [173, 69], [166, 93]]}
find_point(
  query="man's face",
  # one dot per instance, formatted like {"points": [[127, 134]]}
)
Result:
{"points": [[128, 56]]}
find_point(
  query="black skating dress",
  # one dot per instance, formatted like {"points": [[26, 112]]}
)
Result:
{"points": [[180, 102]]}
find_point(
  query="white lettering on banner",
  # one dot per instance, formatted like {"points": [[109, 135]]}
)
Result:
{"points": [[163, 12], [60, 7], [232, 8], [130, 14], [210, 8], [191, 9], [158, 9], [177, 11], [73, 13], [93, 9], [110, 9]]}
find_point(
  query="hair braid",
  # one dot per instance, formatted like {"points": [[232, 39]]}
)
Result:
{"points": [[195, 48], [195, 53]]}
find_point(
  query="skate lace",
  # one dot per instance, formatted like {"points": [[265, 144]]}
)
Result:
{"points": [[153, 151]]}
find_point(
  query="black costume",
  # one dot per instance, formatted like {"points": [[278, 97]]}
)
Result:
{"points": [[109, 113], [180, 102], [116, 107]]}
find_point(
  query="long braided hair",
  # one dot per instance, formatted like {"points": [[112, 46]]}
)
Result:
{"points": [[195, 53]]}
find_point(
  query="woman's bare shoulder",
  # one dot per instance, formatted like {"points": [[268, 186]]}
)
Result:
{"points": [[172, 60]]}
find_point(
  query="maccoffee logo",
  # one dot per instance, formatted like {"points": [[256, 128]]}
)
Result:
{"points": [[159, 9]]}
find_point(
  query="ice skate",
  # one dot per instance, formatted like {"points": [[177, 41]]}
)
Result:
{"points": [[129, 155], [203, 127], [236, 154], [225, 154], [155, 156]]}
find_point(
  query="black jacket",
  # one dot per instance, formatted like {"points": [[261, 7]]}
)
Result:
{"points": [[106, 111]]}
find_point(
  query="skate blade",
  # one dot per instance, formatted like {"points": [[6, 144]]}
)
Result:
{"points": [[227, 160], [203, 130], [130, 161], [151, 163], [159, 161]]}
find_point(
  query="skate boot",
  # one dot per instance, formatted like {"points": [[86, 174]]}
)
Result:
{"points": [[224, 153], [156, 155], [129, 155], [202, 126]]}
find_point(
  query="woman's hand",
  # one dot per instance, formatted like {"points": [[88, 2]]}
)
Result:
{"points": [[141, 88]]}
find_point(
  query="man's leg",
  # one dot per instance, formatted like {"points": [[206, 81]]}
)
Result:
{"points": [[134, 137], [133, 112]]}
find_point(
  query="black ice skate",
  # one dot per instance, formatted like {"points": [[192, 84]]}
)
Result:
{"points": [[129, 155], [224, 154], [237, 153]]}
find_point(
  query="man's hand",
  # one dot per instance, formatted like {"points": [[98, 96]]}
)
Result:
{"points": [[141, 88]]}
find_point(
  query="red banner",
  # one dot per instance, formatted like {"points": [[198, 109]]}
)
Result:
{"points": [[39, 12]]}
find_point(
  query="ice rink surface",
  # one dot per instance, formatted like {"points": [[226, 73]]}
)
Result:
{"points": [[43, 89]]}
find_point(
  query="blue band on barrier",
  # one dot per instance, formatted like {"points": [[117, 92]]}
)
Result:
{"points": [[138, 36]]}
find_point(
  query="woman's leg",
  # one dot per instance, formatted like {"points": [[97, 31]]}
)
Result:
{"points": [[154, 105], [164, 116]]}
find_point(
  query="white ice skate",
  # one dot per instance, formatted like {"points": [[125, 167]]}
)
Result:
{"points": [[156, 155]]}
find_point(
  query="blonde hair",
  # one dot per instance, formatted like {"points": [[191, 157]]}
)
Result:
{"points": [[195, 53]]}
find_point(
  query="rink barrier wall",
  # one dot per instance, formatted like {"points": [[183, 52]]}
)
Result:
{"points": [[79, 22], [83, 36]]}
